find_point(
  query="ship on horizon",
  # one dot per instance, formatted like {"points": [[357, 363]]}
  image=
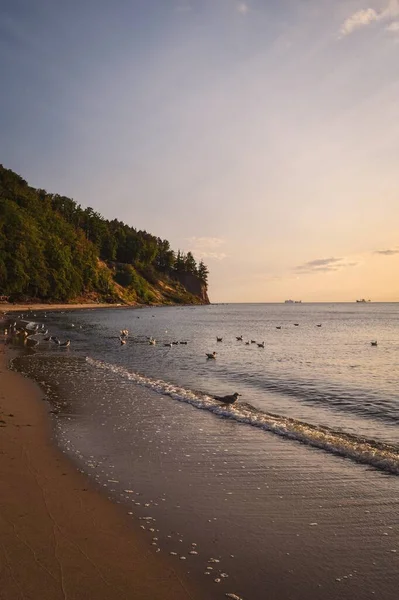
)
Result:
{"points": [[363, 300], [292, 301]]}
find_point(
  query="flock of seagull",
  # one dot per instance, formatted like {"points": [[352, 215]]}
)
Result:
{"points": [[29, 334]]}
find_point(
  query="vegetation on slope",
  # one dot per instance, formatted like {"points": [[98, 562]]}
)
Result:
{"points": [[52, 249]]}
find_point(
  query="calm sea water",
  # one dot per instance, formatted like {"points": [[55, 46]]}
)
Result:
{"points": [[142, 418]]}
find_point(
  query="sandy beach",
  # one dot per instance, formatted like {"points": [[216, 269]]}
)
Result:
{"points": [[60, 538], [8, 308]]}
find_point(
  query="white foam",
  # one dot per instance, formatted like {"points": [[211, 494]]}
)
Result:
{"points": [[379, 455]]}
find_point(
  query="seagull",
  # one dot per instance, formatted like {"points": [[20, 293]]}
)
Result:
{"points": [[168, 345], [296, 324], [218, 339], [152, 342], [122, 340], [213, 355], [319, 325], [262, 345], [65, 344], [185, 343], [278, 327], [55, 340], [247, 343], [228, 399], [239, 338], [253, 341], [374, 343]]}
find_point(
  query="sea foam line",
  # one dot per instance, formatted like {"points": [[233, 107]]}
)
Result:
{"points": [[370, 452]]}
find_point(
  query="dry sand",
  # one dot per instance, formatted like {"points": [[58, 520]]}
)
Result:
{"points": [[7, 308], [59, 537]]}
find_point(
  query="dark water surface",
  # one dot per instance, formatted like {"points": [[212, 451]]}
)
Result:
{"points": [[308, 513]]}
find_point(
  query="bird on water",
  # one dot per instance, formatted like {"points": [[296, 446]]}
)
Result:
{"points": [[213, 355], [230, 399]]}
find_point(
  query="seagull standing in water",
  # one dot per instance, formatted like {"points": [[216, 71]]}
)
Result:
{"points": [[228, 399]]}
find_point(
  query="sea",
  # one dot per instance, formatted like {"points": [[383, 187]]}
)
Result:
{"points": [[290, 492]]}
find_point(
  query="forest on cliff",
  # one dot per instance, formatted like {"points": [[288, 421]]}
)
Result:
{"points": [[52, 249]]}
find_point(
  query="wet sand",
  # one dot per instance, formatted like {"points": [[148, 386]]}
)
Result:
{"points": [[59, 537]]}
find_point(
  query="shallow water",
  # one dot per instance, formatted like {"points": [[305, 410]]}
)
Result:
{"points": [[218, 477]]}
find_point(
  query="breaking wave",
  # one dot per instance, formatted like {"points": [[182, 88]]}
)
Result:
{"points": [[366, 451]]}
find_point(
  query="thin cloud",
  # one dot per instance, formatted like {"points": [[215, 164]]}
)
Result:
{"points": [[215, 255], [205, 242], [360, 18], [207, 247], [388, 252], [393, 27], [366, 16], [242, 8], [324, 265]]}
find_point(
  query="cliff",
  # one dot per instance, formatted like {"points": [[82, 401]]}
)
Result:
{"points": [[53, 250], [194, 286]]}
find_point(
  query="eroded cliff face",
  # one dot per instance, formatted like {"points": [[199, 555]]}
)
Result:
{"points": [[194, 286]]}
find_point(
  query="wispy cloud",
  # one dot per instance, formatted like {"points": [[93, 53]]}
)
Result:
{"points": [[388, 252], [242, 8], [324, 265], [393, 27], [207, 247], [360, 18], [366, 16]]}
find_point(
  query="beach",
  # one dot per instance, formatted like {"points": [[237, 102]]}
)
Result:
{"points": [[31, 308], [196, 498], [60, 538]]}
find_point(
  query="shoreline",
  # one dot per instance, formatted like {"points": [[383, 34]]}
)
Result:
{"points": [[7, 308], [62, 538]]}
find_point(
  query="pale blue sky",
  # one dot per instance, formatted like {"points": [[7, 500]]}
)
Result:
{"points": [[263, 135]]}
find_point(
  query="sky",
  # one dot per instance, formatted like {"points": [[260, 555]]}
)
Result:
{"points": [[262, 135]]}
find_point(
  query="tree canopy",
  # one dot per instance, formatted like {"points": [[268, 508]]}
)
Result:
{"points": [[51, 248]]}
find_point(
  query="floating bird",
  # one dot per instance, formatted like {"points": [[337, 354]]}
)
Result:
{"points": [[247, 343], [239, 338], [65, 344], [185, 343], [296, 324], [278, 327], [228, 399], [152, 342], [47, 339], [124, 332], [169, 345], [374, 343], [122, 341], [55, 340], [262, 345], [318, 325], [218, 339], [175, 343], [213, 355], [253, 341]]}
